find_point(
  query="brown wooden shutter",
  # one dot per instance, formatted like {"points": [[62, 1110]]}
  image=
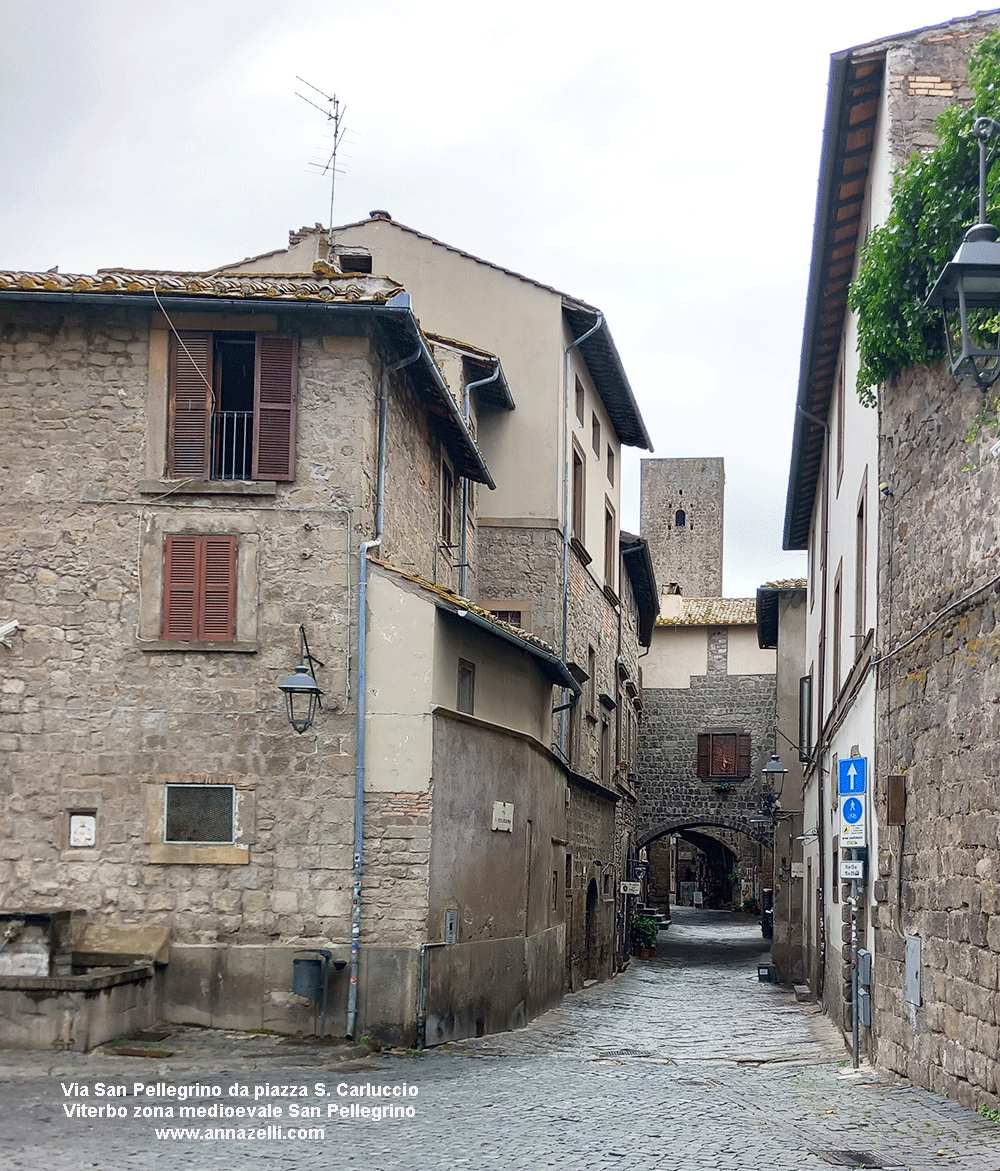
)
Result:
{"points": [[190, 387], [199, 589], [275, 394], [180, 589], [704, 754], [743, 756], [218, 609]]}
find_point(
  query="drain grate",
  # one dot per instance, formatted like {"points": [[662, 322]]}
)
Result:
{"points": [[626, 1053], [856, 1159]]}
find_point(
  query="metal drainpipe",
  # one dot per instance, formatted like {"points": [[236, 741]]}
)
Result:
{"points": [[563, 726], [359, 775], [463, 573]]}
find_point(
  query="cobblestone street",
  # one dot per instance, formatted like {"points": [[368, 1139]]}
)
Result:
{"points": [[685, 1061]]}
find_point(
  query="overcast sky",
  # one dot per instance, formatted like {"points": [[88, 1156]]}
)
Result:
{"points": [[658, 160]]}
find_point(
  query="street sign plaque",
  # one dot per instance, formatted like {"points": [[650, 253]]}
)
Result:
{"points": [[855, 870], [852, 822], [630, 888], [852, 775]]}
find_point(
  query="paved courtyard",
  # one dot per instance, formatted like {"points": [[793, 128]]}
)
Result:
{"points": [[682, 1062]]}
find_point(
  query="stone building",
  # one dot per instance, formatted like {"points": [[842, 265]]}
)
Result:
{"points": [[548, 548], [211, 469], [708, 697], [899, 663]]}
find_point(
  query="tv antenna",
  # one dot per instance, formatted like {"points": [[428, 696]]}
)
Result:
{"points": [[334, 113]]}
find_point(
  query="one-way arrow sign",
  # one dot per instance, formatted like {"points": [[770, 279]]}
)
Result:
{"points": [[853, 776]]}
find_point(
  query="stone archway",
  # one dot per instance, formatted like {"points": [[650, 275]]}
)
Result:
{"points": [[731, 865]]}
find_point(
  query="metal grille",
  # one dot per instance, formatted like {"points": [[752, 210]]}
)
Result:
{"points": [[856, 1159], [232, 445], [626, 1053], [199, 813]]}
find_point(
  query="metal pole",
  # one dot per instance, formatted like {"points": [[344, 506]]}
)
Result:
{"points": [[854, 969]]}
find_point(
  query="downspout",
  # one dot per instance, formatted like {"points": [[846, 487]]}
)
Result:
{"points": [[463, 572], [359, 776], [567, 445]]}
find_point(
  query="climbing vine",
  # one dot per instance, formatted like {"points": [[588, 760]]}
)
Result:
{"points": [[934, 199]]}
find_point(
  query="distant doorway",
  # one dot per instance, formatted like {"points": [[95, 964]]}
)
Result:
{"points": [[590, 934]]}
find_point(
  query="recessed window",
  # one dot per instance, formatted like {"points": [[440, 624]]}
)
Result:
{"points": [[610, 546], [355, 262], [466, 686], [579, 401], [447, 503], [611, 465], [232, 406], [723, 754], [680, 519], [595, 433], [578, 495], [511, 616], [199, 588], [199, 814]]}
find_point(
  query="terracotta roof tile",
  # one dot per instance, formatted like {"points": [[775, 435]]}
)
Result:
{"points": [[714, 612]]}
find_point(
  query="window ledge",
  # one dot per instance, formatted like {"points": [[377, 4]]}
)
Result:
{"points": [[197, 855], [208, 487], [579, 549], [159, 644]]}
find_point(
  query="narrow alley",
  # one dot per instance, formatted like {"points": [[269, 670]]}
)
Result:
{"points": [[684, 1061]]}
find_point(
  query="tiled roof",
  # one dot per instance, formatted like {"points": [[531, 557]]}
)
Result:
{"points": [[714, 612], [792, 583], [460, 603], [326, 285]]}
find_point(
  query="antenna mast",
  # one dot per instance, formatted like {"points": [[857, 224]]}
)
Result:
{"points": [[334, 114]]}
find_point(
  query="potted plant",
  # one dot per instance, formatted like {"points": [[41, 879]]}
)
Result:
{"points": [[644, 935]]}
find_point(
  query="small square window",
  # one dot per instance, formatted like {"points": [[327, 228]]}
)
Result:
{"points": [[466, 685], [200, 814], [355, 262]]}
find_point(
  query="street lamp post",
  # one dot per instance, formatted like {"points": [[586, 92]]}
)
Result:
{"points": [[972, 281]]}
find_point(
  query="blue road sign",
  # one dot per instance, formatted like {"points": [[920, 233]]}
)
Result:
{"points": [[853, 810], [853, 775]]}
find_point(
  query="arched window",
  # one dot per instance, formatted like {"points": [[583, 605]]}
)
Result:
{"points": [[680, 520]]}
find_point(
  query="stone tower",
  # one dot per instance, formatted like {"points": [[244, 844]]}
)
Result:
{"points": [[681, 518]]}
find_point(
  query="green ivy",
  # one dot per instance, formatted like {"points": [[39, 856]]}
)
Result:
{"points": [[935, 198]]}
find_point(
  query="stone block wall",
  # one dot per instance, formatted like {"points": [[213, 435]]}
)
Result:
{"points": [[672, 793], [95, 719], [681, 518], [938, 725], [590, 824]]}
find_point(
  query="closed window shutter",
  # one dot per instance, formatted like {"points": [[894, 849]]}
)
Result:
{"points": [[199, 592], [704, 754], [275, 394], [218, 610], [743, 756], [180, 589], [190, 389]]}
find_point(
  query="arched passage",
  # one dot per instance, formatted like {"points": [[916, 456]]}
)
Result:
{"points": [[717, 866]]}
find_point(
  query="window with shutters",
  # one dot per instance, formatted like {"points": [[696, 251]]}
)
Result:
{"points": [[232, 404], [724, 754], [199, 588]]}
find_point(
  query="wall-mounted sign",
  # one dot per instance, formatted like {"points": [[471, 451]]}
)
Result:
{"points": [[852, 870], [503, 816], [630, 888]]}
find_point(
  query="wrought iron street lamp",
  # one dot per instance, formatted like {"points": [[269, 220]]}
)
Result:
{"points": [[774, 773], [972, 281], [302, 693]]}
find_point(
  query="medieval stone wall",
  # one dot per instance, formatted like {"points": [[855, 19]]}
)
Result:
{"points": [[938, 723], [95, 720], [681, 509], [673, 795]]}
